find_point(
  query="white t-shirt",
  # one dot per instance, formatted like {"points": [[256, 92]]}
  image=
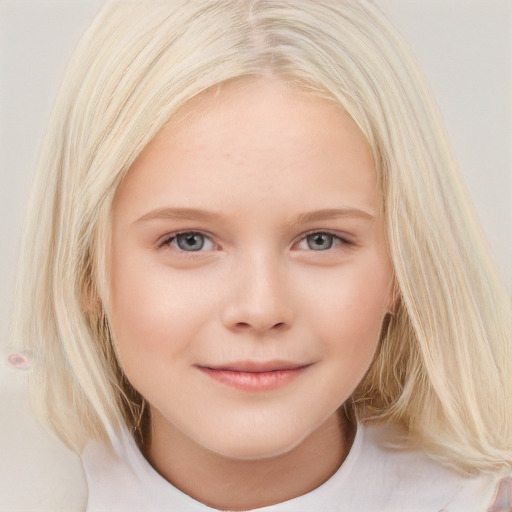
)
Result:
{"points": [[372, 478]]}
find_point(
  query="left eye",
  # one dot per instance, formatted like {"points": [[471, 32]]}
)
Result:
{"points": [[321, 241], [190, 242]]}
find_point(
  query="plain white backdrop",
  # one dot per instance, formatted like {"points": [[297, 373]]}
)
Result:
{"points": [[464, 47]]}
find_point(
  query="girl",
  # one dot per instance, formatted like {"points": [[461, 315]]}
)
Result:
{"points": [[251, 278]]}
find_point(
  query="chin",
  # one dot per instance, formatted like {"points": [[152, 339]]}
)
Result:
{"points": [[256, 445]]}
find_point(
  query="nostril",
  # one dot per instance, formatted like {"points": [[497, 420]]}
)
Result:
{"points": [[246, 325], [242, 325]]}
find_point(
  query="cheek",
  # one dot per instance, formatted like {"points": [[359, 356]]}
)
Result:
{"points": [[359, 290], [154, 313], [348, 307]]}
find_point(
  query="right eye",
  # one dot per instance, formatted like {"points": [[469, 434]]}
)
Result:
{"points": [[190, 241]]}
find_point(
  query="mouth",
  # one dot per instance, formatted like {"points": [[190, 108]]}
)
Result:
{"points": [[255, 376]]}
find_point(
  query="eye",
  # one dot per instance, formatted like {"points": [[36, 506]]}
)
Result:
{"points": [[190, 241], [321, 241]]}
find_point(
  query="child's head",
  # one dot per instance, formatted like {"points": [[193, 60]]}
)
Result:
{"points": [[247, 237], [144, 74]]}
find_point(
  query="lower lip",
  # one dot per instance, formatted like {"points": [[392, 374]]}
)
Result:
{"points": [[254, 381]]}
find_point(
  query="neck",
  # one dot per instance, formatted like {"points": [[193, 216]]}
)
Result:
{"points": [[232, 484]]}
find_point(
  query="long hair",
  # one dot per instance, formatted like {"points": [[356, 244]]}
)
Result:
{"points": [[443, 368]]}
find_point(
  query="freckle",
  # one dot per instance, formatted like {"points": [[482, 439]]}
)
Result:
{"points": [[18, 361]]}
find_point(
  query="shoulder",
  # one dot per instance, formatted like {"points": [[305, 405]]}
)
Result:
{"points": [[37, 472], [378, 475], [410, 474]]}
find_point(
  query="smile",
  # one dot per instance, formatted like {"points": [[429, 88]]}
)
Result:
{"points": [[250, 376]]}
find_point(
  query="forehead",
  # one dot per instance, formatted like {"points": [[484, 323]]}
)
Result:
{"points": [[260, 139]]}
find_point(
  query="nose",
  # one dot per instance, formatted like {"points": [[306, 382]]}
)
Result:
{"points": [[258, 297]]}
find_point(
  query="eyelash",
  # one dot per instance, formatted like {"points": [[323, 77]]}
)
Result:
{"points": [[174, 236], [336, 236]]}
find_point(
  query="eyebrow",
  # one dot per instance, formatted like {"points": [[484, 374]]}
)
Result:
{"points": [[205, 215], [332, 213]]}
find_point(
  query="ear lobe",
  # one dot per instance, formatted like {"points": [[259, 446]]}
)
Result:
{"points": [[392, 299], [90, 300]]}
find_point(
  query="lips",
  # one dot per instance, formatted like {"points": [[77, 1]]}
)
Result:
{"points": [[258, 367], [255, 376]]}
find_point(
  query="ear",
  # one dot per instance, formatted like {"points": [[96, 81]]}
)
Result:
{"points": [[90, 300], [392, 298]]}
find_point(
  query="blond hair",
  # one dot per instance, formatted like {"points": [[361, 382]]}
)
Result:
{"points": [[443, 370]]}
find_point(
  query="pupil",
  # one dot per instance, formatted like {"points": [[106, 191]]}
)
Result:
{"points": [[190, 242], [320, 241]]}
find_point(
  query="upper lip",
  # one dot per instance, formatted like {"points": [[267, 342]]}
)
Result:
{"points": [[257, 366]]}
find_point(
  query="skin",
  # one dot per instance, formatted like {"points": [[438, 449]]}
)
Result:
{"points": [[252, 162]]}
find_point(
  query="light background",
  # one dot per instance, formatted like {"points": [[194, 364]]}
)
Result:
{"points": [[464, 46]]}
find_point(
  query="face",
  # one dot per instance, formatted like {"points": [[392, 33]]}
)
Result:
{"points": [[249, 275]]}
